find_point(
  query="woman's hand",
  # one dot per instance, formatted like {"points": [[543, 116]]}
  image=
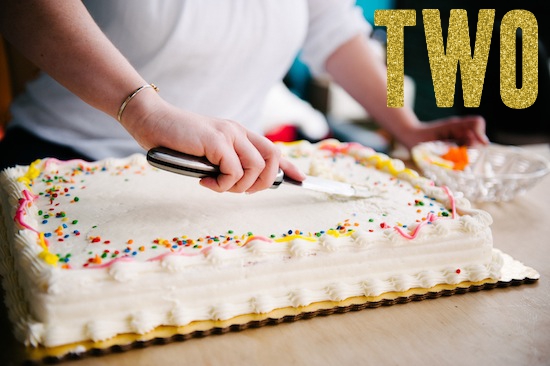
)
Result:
{"points": [[248, 162], [63, 40], [465, 130]]}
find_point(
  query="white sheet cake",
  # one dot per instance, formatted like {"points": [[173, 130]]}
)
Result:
{"points": [[93, 251]]}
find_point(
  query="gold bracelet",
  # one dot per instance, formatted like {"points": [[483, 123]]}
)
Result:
{"points": [[131, 96]]}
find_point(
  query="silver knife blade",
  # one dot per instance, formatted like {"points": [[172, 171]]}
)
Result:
{"points": [[330, 187], [199, 167]]}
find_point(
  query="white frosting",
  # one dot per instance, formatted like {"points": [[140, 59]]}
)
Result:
{"points": [[123, 264]]}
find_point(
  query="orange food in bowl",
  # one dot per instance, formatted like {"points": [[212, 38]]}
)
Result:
{"points": [[458, 155]]}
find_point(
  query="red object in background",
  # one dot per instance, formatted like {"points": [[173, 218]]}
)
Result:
{"points": [[283, 133]]}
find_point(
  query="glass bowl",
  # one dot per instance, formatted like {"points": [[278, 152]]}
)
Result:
{"points": [[493, 173]]}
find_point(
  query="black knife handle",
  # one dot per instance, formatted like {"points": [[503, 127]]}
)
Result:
{"points": [[189, 165]]}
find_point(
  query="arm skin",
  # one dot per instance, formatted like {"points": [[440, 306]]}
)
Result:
{"points": [[62, 39], [354, 67]]}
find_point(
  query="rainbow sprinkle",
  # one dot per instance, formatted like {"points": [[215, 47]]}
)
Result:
{"points": [[64, 187]]}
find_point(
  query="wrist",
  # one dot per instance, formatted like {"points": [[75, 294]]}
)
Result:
{"points": [[138, 105], [136, 113], [410, 133], [130, 97]]}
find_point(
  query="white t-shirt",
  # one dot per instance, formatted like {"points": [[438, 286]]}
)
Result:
{"points": [[217, 58]]}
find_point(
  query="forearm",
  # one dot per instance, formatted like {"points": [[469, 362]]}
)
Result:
{"points": [[355, 67], [62, 39]]}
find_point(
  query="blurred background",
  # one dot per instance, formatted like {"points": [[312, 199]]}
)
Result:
{"points": [[311, 108], [504, 125]]}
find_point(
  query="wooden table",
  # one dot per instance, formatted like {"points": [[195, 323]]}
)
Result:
{"points": [[509, 326]]}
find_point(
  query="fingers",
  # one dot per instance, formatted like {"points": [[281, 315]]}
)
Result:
{"points": [[291, 170], [471, 130], [270, 157], [248, 162], [273, 162], [467, 130], [231, 170], [478, 131]]}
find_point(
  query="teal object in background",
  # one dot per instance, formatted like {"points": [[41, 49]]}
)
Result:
{"points": [[369, 6], [298, 78]]}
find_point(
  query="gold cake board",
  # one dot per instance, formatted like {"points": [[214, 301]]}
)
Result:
{"points": [[514, 273]]}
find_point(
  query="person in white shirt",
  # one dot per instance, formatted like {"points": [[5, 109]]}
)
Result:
{"points": [[214, 62]]}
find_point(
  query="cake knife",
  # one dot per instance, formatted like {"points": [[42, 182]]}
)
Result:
{"points": [[199, 167]]}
